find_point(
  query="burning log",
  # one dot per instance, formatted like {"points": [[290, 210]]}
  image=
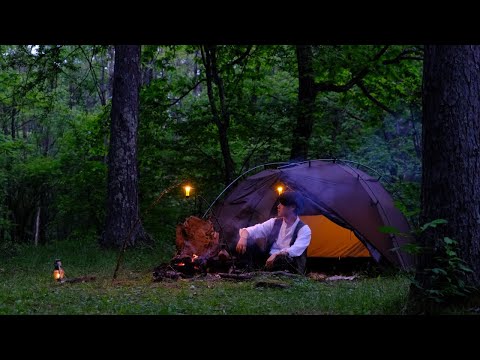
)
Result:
{"points": [[189, 265]]}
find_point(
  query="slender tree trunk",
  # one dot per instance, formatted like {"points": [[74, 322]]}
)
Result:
{"points": [[451, 159], [103, 82], [4, 111], [196, 71], [110, 66], [12, 121], [416, 140], [46, 142], [306, 103], [221, 118], [24, 130], [37, 227], [122, 199]]}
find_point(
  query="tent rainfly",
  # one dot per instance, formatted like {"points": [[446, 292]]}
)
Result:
{"points": [[344, 207]]}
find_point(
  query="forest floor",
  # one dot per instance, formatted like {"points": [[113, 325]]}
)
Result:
{"points": [[27, 287]]}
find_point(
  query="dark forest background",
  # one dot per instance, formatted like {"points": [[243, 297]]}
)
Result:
{"points": [[206, 113]]}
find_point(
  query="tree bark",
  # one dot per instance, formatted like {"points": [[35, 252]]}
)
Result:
{"points": [[451, 156], [122, 198], [307, 94]]}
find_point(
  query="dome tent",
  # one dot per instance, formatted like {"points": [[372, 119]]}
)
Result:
{"points": [[344, 207]]}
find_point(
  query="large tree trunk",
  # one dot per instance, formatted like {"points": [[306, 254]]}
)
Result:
{"points": [[451, 153], [306, 103], [122, 207]]}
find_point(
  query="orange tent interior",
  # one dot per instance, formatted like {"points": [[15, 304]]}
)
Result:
{"points": [[331, 240]]}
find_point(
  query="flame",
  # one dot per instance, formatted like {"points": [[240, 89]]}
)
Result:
{"points": [[279, 189], [181, 264]]}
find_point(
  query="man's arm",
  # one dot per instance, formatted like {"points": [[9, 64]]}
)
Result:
{"points": [[242, 242], [301, 243], [253, 232]]}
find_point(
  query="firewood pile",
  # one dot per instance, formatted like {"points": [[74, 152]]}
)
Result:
{"points": [[198, 252]]}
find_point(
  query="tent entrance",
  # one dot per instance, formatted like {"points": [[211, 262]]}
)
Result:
{"points": [[330, 240]]}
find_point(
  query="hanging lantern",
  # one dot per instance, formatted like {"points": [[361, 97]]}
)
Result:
{"points": [[279, 189], [58, 272], [187, 190]]}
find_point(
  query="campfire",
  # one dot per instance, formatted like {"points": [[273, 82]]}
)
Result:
{"points": [[198, 252], [189, 265]]}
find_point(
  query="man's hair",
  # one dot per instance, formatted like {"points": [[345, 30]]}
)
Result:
{"points": [[292, 198]]}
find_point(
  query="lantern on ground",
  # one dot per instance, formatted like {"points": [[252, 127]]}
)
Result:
{"points": [[58, 272]]}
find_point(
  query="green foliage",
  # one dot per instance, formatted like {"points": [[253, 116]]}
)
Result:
{"points": [[79, 204], [446, 276]]}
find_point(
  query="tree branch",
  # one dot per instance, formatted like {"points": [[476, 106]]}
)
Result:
{"points": [[406, 54], [188, 92], [23, 124], [353, 116], [328, 86], [241, 57], [362, 87], [97, 85]]}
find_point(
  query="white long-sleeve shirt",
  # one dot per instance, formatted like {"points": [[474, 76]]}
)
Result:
{"points": [[282, 243]]}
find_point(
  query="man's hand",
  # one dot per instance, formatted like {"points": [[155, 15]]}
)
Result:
{"points": [[270, 261], [242, 245]]}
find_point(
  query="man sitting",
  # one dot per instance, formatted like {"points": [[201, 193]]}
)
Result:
{"points": [[287, 237]]}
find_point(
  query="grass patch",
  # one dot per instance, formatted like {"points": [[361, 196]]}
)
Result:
{"points": [[27, 287]]}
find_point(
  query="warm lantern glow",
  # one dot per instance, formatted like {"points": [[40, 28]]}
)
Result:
{"points": [[56, 274], [187, 190], [279, 189]]}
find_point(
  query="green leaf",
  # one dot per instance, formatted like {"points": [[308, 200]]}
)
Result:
{"points": [[433, 223], [449, 241], [411, 248], [388, 230], [451, 253], [465, 268], [439, 271]]}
